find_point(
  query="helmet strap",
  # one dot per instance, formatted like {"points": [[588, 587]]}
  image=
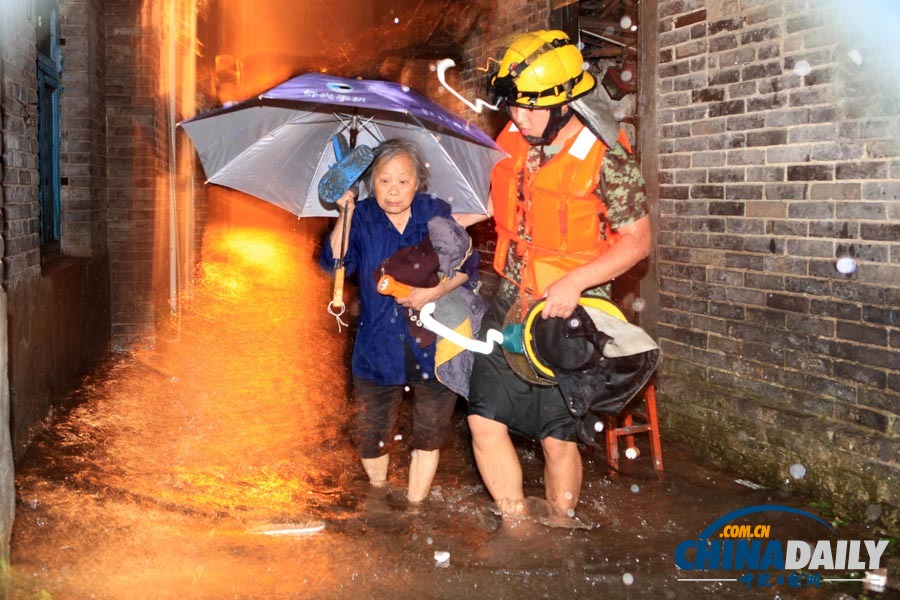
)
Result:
{"points": [[558, 120]]}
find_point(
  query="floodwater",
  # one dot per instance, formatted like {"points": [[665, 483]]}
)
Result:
{"points": [[170, 468]]}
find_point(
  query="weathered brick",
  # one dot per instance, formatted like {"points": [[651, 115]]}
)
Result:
{"points": [[880, 231], [862, 417], [787, 302], [708, 95], [834, 191], [785, 191], [764, 282], [768, 137], [810, 173], [860, 373], [732, 107]]}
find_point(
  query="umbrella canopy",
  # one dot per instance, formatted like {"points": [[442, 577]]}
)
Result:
{"points": [[278, 145]]}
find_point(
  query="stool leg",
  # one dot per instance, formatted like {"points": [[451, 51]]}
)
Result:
{"points": [[628, 421], [652, 419], [612, 443]]}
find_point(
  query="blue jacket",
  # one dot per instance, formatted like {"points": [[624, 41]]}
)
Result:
{"points": [[379, 354]]}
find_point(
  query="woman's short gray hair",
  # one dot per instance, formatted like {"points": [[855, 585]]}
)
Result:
{"points": [[391, 149]]}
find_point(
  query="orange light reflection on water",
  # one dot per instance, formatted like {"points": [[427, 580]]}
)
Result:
{"points": [[152, 485]]}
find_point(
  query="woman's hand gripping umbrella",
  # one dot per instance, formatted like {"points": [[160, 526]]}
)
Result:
{"points": [[338, 187]]}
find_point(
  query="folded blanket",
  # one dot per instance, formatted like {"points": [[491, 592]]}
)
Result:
{"points": [[460, 310]]}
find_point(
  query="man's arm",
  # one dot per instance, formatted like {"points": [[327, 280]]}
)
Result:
{"points": [[632, 246]]}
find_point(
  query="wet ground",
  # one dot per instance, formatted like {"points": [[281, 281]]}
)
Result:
{"points": [[171, 467]]}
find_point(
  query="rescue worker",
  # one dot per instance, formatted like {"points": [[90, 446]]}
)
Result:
{"points": [[571, 215]]}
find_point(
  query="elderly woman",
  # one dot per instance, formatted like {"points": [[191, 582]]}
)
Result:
{"points": [[386, 357]]}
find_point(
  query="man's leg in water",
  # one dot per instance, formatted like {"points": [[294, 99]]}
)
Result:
{"points": [[498, 464], [562, 475]]}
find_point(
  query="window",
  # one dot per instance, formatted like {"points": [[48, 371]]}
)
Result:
{"points": [[48, 88]]}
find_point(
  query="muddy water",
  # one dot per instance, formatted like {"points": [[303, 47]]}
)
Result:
{"points": [[158, 479]]}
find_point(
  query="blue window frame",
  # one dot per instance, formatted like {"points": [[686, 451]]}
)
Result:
{"points": [[48, 84]]}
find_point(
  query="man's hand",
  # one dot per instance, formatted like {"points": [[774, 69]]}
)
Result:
{"points": [[562, 298]]}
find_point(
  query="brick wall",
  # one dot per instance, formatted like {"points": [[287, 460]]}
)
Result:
{"points": [[12, 129], [777, 124], [137, 155], [83, 110], [58, 319], [21, 245]]}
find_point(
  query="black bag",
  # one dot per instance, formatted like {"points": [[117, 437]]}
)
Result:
{"points": [[592, 384]]}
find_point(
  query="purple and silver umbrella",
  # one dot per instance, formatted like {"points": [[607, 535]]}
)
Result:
{"points": [[278, 145]]}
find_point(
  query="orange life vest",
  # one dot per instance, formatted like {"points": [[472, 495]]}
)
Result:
{"points": [[560, 208]]}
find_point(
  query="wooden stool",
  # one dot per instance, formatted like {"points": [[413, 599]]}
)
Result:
{"points": [[633, 421]]}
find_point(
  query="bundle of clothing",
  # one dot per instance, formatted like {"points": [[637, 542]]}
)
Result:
{"points": [[439, 256]]}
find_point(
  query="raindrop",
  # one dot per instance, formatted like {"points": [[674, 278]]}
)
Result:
{"points": [[441, 556], [626, 75], [415, 537], [638, 305], [396, 20], [413, 453], [450, 199], [598, 426], [618, 113], [632, 453], [428, 165], [802, 68], [398, 437], [845, 265], [432, 67], [873, 512], [41, 522], [429, 541], [415, 265], [585, 66], [405, 388], [34, 502], [571, 513], [625, 22], [568, 495], [581, 45], [627, 578], [634, 28], [405, 88], [635, 488], [798, 471], [856, 56], [381, 444]]}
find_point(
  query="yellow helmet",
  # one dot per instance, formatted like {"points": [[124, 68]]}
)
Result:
{"points": [[541, 69]]}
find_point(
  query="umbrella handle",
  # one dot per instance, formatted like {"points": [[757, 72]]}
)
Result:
{"points": [[483, 347], [337, 300]]}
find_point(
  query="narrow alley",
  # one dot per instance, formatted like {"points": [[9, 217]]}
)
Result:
{"points": [[172, 467]]}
